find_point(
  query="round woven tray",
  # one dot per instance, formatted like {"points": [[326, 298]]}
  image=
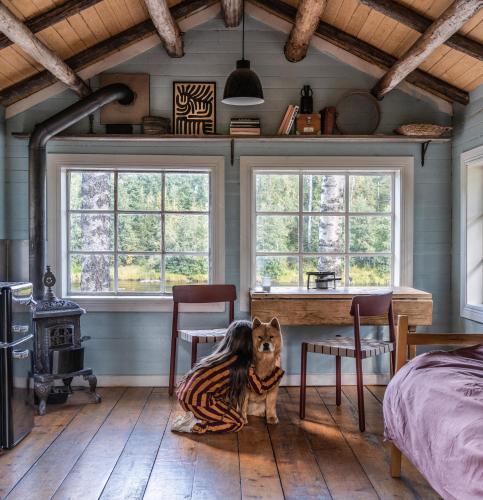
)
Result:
{"points": [[423, 130]]}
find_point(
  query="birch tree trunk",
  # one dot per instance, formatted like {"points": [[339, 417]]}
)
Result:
{"points": [[96, 230], [328, 226]]}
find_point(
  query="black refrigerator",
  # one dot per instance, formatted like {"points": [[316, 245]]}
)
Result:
{"points": [[16, 344]]}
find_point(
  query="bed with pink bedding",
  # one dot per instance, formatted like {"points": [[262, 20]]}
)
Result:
{"points": [[433, 412]]}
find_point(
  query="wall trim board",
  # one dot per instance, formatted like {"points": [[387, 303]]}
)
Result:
{"points": [[288, 380]]}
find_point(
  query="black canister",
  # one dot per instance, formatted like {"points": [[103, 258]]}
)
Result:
{"points": [[306, 100]]}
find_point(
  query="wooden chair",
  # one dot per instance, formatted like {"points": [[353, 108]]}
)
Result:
{"points": [[353, 347], [198, 294], [403, 342]]}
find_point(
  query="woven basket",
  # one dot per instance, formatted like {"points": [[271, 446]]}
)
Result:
{"points": [[423, 130]]}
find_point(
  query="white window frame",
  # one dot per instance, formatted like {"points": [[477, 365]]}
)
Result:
{"points": [[401, 166], [57, 167], [471, 174]]}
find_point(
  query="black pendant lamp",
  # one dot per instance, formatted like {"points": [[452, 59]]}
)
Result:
{"points": [[243, 87]]}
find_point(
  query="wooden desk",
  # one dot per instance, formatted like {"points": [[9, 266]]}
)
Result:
{"points": [[299, 306]]}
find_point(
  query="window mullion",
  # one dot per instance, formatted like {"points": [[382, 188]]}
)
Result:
{"points": [[116, 256], [163, 226], [301, 228], [346, 235]]}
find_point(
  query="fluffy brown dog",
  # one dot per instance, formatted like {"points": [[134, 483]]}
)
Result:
{"points": [[267, 347]]}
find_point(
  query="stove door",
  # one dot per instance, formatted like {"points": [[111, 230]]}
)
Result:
{"points": [[17, 406]]}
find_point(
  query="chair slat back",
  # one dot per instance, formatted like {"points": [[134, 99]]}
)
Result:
{"points": [[203, 294], [372, 305]]}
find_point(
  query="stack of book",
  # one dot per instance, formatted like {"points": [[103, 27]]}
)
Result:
{"points": [[245, 126], [288, 120]]}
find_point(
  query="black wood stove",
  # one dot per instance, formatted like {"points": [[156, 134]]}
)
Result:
{"points": [[58, 350]]}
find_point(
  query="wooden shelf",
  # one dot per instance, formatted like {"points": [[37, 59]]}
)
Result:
{"points": [[263, 138]]}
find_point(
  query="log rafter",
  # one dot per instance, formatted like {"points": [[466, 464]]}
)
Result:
{"points": [[450, 21], [102, 49], [417, 22], [18, 33], [306, 22], [167, 28], [51, 17], [367, 52], [232, 12]]}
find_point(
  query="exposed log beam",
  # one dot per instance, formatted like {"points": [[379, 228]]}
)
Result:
{"points": [[232, 12], [16, 31], [367, 52], [166, 26], [306, 22], [51, 17], [450, 21], [420, 23], [88, 56]]}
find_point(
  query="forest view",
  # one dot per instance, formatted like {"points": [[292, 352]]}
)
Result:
{"points": [[143, 232], [317, 222], [138, 232]]}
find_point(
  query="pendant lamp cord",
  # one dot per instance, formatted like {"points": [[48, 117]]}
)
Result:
{"points": [[243, 30]]}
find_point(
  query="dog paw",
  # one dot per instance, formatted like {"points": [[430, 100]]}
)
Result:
{"points": [[272, 420], [245, 420]]}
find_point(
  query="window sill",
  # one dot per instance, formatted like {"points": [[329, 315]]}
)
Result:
{"points": [[472, 312], [141, 304]]}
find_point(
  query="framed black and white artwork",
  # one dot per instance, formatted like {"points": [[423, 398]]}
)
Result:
{"points": [[194, 108]]}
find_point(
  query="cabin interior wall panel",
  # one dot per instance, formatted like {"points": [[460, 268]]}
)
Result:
{"points": [[137, 344]]}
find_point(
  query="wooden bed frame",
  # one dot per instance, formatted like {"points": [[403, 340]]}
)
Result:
{"points": [[404, 342]]}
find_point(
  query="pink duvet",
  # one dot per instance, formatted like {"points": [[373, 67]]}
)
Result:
{"points": [[433, 412]]}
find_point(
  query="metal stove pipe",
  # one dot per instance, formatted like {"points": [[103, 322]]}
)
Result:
{"points": [[42, 133]]}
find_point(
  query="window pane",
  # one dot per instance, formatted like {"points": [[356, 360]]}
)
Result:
{"points": [[370, 193], [187, 192], [91, 273], [277, 233], [186, 270], [324, 234], [283, 271], [139, 273], [370, 234], [370, 271], [277, 193], [91, 190], [139, 233], [139, 191], [325, 263], [324, 193], [187, 233], [92, 232]]}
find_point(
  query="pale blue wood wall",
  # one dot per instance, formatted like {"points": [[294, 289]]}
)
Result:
{"points": [[134, 343], [468, 134]]}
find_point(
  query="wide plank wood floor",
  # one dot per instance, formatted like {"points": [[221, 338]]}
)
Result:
{"points": [[123, 449]]}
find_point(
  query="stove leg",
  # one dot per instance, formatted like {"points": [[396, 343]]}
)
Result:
{"points": [[92, 379], [42, 391], [67, 384]]}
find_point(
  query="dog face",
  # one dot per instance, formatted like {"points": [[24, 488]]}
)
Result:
{"points": [[267, 337]]}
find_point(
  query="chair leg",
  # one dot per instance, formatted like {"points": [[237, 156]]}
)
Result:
{"points": [[338, 380], [395, 461], [303, 380], [360, 395], [194, 351], [172, 365]]}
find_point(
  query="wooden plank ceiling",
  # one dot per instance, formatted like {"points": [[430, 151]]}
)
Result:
{"points": [[106, 18]]}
